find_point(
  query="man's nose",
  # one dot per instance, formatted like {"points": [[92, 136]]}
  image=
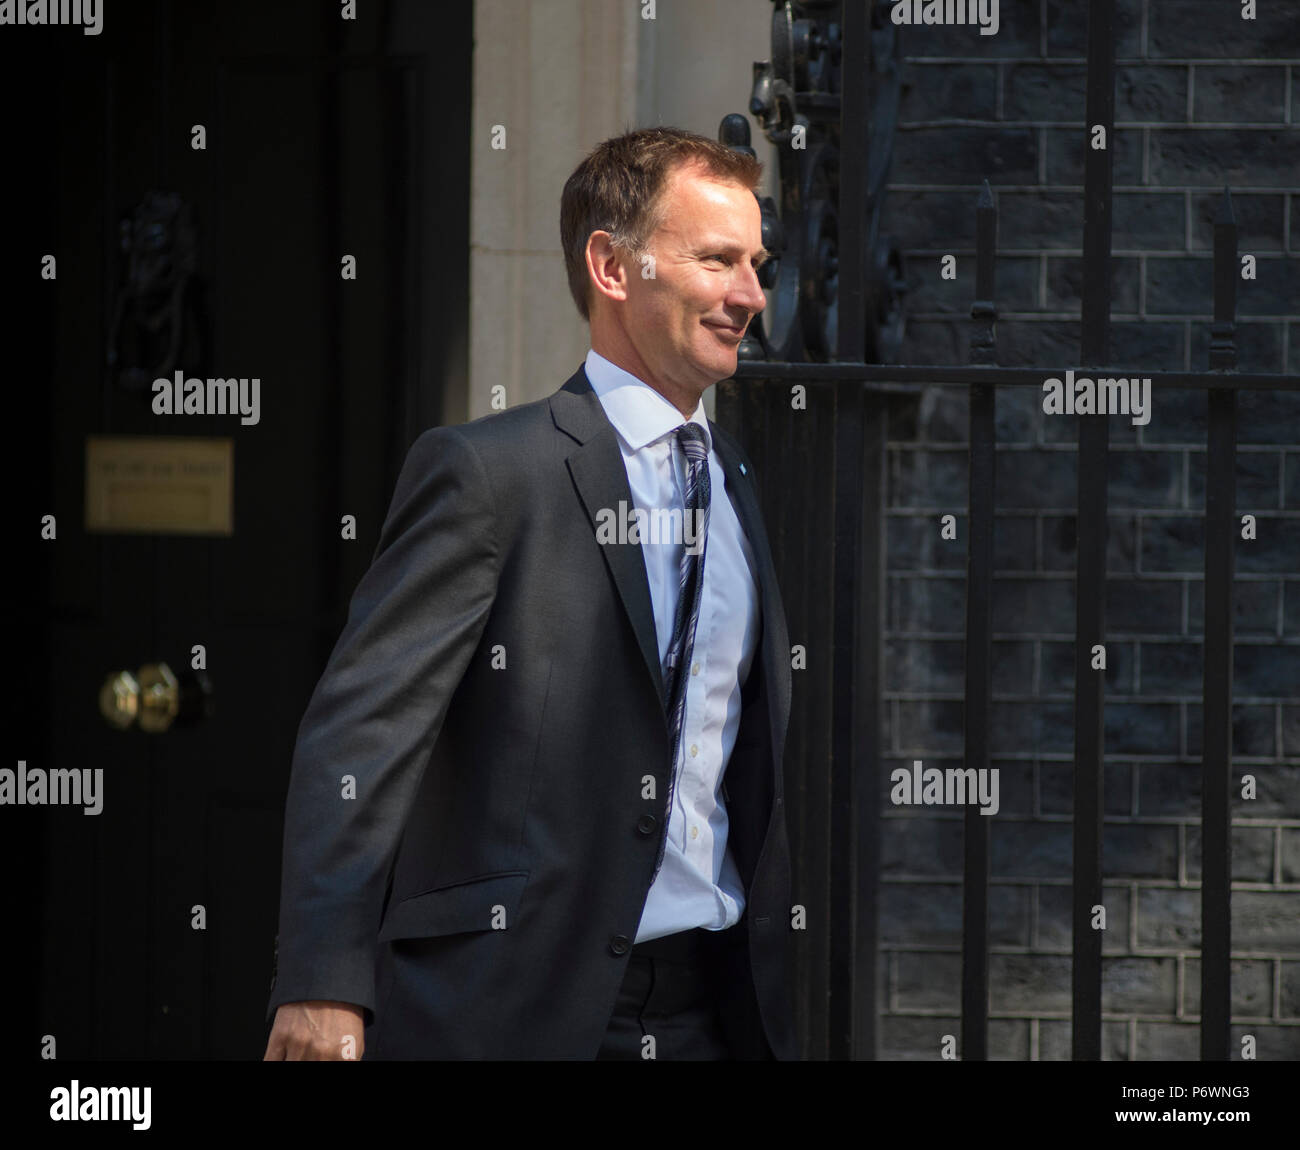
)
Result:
{"points": [[747, 292]]}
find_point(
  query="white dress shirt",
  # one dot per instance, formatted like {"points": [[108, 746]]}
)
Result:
{"points": [[698, 883]]}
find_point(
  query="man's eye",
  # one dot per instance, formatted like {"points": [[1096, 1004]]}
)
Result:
{"points": [[718, 257]]}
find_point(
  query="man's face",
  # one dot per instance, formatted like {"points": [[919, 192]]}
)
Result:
{"points": [[686, 322]]}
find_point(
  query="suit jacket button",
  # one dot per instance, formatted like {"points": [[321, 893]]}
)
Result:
{"points": [[646, 824], [620, 944]]}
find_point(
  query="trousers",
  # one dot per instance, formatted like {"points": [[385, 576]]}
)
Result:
{"points": [[667, 1005]]}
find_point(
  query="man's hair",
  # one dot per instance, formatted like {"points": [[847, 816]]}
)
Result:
{"points": [[619, 189]]}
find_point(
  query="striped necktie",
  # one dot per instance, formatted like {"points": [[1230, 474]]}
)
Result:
{"points": [[677, 663]]}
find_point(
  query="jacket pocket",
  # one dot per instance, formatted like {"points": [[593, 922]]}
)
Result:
{"points": [[475, 904]]}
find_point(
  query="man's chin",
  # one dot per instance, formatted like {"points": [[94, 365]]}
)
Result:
{"points": [[715, 371], [723, 356]]}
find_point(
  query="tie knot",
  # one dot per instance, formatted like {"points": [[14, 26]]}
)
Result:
{"points": [[691, 438]]}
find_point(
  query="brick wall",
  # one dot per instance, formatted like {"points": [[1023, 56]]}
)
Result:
{"points": [[1203, 99]]}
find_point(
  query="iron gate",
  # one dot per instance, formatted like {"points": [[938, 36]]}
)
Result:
{"points": [[828, 99]]}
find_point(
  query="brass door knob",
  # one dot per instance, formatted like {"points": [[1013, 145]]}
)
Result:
{"points": [[154, 698], [160, 697], [119, 699]]}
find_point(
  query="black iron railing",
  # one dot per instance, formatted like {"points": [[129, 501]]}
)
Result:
{"points": [[822, 474]]}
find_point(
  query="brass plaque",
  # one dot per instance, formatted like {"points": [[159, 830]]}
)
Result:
{"points": [[160, 484]]}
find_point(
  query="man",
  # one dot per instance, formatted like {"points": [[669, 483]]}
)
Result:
{"points": [[536, 802]]}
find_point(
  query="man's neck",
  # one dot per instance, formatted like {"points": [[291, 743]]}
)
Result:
{"points": [[685, 401]]}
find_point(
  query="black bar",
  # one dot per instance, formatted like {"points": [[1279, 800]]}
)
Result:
{"points": [[1090, 568], [979, 670], [1216, 751], [1089, 735], [881, 375], [849, 426], [853, 222], [801, 568], [812, 526], [865, 594], [979, 643], [869, 731], [984, 312], [848, 431]]}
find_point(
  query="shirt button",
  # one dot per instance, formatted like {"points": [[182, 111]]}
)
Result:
{"points": [[695, 832], [694, 750], [695, 668], [646, 824], [620, 944]]}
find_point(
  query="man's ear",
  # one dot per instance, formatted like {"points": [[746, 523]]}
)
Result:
{"points": [[605, 267]]}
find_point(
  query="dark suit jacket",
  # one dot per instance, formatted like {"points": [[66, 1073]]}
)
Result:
{"points": [[495, 704]]}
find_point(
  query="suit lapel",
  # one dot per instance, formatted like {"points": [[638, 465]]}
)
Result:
{"points": [[775, 645], [600, 478], [596, 466]]}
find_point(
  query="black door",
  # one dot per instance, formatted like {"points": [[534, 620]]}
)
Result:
{"points": [[146, 930]]}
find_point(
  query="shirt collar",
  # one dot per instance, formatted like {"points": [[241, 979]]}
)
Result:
{"points": [[638, 413]]}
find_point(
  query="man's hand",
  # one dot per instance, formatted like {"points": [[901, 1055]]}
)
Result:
{"points": [[316, 1032]]}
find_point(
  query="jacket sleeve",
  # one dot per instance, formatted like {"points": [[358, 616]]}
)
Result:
{"points": [[413, 625]]}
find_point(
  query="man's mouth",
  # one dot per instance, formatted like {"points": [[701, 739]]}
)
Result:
{"points": [[734, 332]]}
